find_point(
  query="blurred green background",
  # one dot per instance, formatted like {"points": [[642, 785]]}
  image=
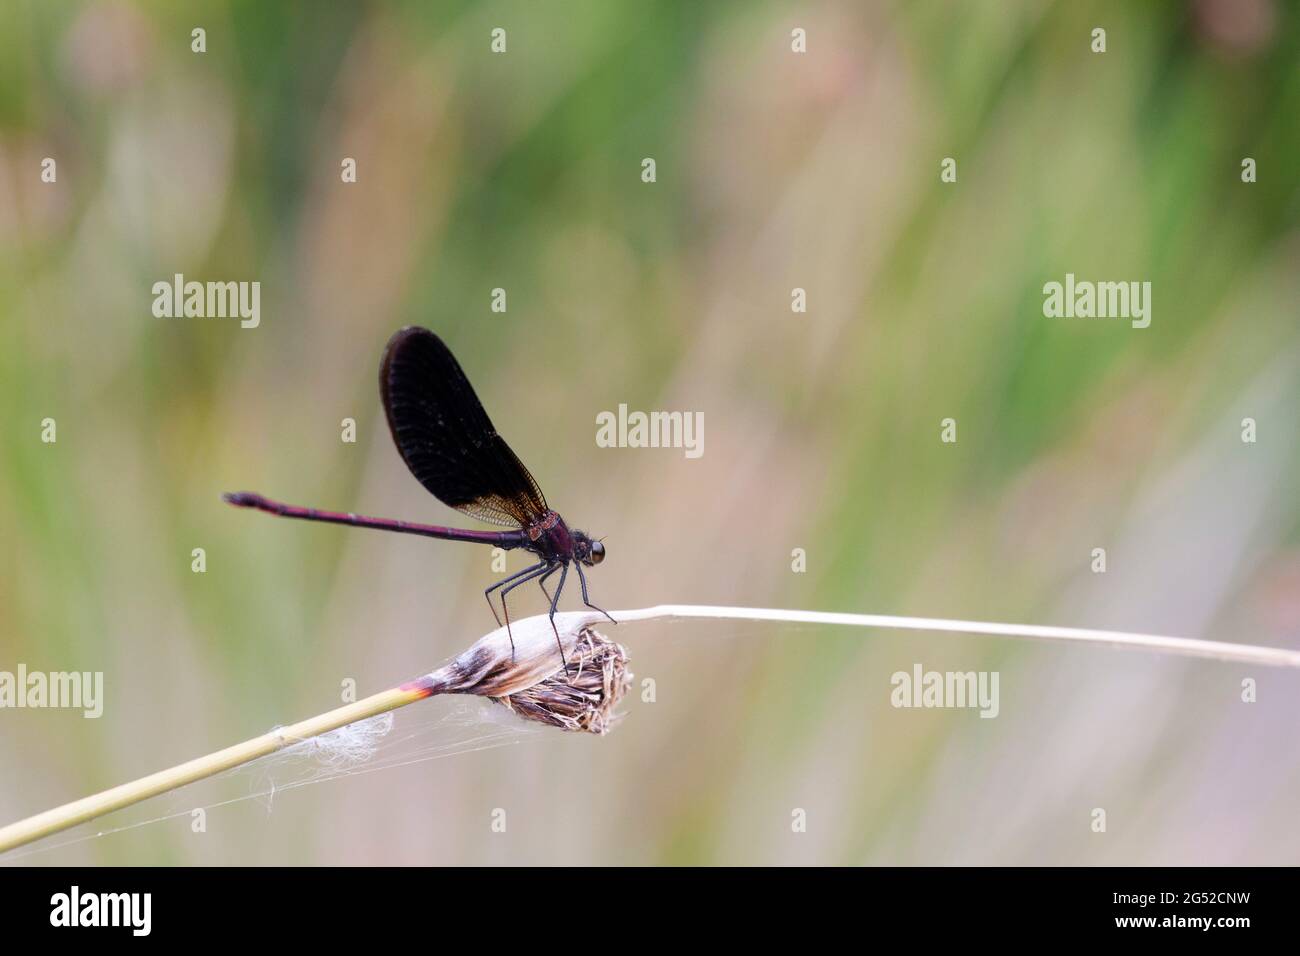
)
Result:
{"points": [[775, 170]]}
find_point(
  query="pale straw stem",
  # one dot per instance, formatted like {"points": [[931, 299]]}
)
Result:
{"points": [[1178, 646], [88, 808]]}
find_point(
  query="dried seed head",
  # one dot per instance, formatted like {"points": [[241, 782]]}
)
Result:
{"points": [[534, 681], [584, 693]]}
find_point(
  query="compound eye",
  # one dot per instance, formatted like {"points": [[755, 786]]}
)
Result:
{"points": [[597, 552]]}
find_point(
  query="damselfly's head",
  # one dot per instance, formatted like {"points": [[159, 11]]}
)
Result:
{"points": [[586, 550]]}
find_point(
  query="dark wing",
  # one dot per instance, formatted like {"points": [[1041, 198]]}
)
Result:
{"points": [[446, 438]]}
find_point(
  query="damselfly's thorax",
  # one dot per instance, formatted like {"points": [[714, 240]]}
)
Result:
{"points": [[544, 524], [550, 537]]}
